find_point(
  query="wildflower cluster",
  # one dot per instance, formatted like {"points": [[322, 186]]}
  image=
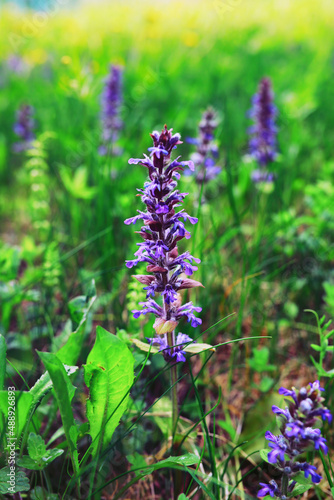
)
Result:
{"points": [[262, 143], [299, 425], [163, 229], [111, 101], [24, 128], [207, 151]]}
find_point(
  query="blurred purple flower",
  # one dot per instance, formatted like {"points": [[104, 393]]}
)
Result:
{"points": [[207, 151], [262, 143], [17, 65], [162, 230], [110, 114], [24, 128]]}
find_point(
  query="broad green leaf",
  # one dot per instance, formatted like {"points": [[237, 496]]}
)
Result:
{"points": [[299, 489], [23, 403], [29, 463], [301, 479], [36, 447], [64, 392], [2, 362], [182, 497], [21, 482], [109, 376]]}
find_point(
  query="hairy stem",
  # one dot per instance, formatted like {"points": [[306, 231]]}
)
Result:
{"points": [[285, 484]]}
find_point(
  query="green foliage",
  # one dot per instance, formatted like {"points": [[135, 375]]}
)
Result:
{"points": [[260, 361], [77, 183], [329, 296], [323, 348], [64, 392], [109, 377], [3, 351], [79, 309], [39, 457], [21, 481], [39, 493], [23, 404]]}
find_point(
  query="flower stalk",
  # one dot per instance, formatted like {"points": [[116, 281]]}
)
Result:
{"points": [[163, 228]]}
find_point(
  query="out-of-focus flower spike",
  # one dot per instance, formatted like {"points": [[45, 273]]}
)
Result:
{"points": [[24, 128], [110, 112], [262, 142]]}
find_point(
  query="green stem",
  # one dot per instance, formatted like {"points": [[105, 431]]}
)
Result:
{"points": [[175, 415], [285, 484], [173, 380], [175, 412]]}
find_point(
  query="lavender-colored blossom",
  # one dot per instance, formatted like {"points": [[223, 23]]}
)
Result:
{"points": [[110, 114], [162, 230], [262, 143], [17, 65], [207, 151], [309, 470], [175, 354], [24, 128], [262, 176], [268, 489], [299, 432]]}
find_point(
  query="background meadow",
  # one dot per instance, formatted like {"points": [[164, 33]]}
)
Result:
{"points": [[266, 250]]}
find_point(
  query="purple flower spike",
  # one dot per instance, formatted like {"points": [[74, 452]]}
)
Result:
{"points": [[300, 433], [163, 228], [262, 143], [110, 113], [24, 128], [204, 160]]}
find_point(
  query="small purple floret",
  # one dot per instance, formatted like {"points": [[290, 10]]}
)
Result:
{"points": [[24, 128]]}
